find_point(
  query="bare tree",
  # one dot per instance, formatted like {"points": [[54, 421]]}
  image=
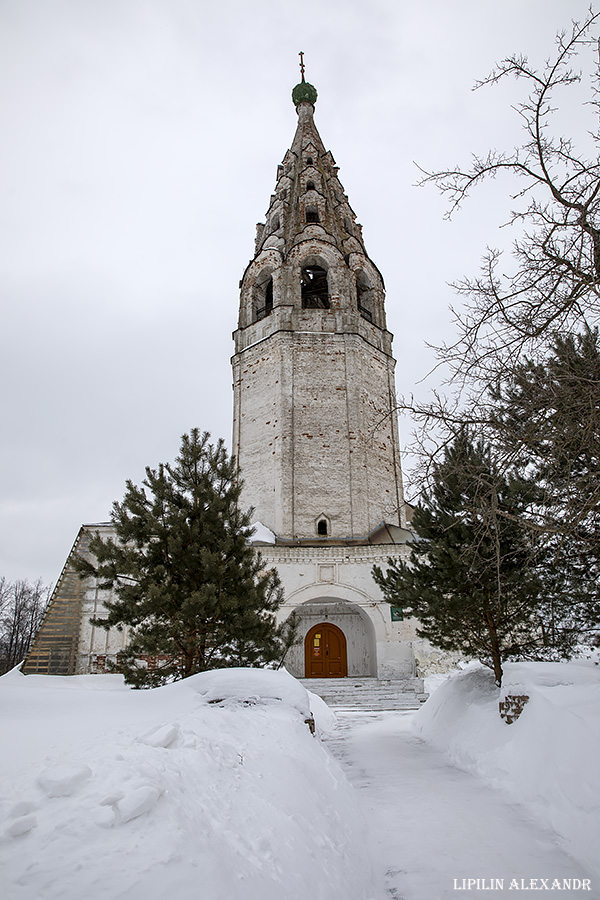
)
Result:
{"points": [[22, 607], [553, 283]]}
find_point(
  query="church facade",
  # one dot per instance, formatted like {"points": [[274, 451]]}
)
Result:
{"points": [[315, 434]]}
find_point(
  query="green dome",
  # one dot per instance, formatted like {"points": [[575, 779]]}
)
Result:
{"points": [[304, 92]]}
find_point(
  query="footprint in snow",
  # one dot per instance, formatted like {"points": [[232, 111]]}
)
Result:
{"points": [[21, 825], [23, 820]]}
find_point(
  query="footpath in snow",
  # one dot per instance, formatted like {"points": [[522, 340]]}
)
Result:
{"points": [[433, 827]]}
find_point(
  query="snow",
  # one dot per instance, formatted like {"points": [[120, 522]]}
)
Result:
{"points": [[547, 761], [431, 825], [252, 685], [212, 787], [262, 534], [325, 718], [62, 781]]}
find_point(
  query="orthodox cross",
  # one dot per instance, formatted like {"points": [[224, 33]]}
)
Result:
{"points": [[301, 55]]}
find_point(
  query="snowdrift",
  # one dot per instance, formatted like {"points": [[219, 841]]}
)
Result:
{"points": [[209, 788], [547, 760]]}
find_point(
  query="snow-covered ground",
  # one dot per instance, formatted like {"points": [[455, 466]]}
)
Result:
{"points": [[457, 800], [548, 761], [214, 789], [209, 789]]}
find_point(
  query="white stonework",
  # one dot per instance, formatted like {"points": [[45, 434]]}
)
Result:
{"points": [[334, 584]]}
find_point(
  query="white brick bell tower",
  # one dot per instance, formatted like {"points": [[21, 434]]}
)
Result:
{"points": [[315, 430]]}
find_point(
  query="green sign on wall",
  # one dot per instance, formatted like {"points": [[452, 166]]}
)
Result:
{"points": [[397, 614]]}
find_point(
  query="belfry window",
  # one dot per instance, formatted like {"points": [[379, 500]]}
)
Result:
{"points": [[269, 297], [310, 186], [314, 288], [264, 299], [364, 296], [312, 214]]}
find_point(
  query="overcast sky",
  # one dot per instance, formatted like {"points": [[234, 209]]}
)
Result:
{"points": [[140, 140]]}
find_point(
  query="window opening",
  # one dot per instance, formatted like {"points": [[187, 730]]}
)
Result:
{"points": [[310, 186], [322, 527], [363, 296], [312, 214], [267, 296], [275, 225], [309, 161], [314, 288]]}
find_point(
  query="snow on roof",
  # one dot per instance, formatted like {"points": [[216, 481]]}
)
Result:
{"points": [[262, 534]]}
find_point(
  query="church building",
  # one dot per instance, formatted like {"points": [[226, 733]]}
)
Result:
{"points": [[315, 434]]}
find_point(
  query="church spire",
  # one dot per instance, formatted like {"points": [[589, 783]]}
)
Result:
{"points": [[309, 201]]}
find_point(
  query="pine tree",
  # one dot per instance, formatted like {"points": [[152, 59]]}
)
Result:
{"points": [[475, 577], [184, 576], [546, 419]]}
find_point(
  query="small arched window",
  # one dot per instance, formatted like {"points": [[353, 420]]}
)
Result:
{"points": [[309, 161], [322, 527], [314, 288], [312, 215], [310, 186], [275, 224]]}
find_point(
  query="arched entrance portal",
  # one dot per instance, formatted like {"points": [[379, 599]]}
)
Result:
{"points": [[325, 652]]}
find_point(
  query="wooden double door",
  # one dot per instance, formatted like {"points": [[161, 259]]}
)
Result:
{"points": [[325, 652]]}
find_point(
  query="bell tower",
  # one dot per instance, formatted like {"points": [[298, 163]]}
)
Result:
{"points": [[315, 432]]}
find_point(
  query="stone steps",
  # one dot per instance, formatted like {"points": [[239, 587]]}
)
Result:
{"points": [[367, 693]]}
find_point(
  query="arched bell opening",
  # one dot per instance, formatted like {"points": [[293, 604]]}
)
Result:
{"points": [[364, 297], [262, 298], [314, 287]]}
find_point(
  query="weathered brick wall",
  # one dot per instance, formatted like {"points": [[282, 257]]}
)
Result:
{"points": [[316, 431]]}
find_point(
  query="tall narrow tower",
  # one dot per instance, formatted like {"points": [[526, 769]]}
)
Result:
{"points": [[315, 431]]}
